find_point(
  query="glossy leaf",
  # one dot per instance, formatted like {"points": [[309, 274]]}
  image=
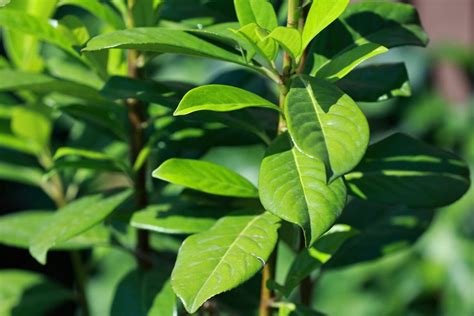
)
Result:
{"points": [[162, 41], [375, 83], [383, 231], [40, 83], [231, 252], [401, 170], [206, 177], [327, 124], [320, 15], [72, 220], [342, 64], [294, 187], [260, 12], [18, 229], [220, 98], [288, 38], [25, 293], [384, 24], [259, 42]]}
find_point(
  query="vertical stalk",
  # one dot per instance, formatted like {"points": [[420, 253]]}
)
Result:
{"points": [[268, 273], [136, 118]]}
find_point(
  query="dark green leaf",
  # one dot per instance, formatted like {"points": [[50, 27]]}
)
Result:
{"points": [[294, 187], [206, 177], [377, 82], [326, 124], [231, 252], [401, 170], [101, 10]]}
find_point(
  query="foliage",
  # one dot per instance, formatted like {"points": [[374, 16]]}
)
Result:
{"points": [[257, 186]]}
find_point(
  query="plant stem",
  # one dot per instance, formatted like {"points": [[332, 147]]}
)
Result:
{"points": [[80, 277], [137, 119], [266, 295]]}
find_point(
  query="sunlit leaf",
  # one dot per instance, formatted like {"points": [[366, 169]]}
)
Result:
{"points": [[260, 12]]}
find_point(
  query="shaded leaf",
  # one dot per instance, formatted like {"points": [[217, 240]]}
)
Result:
{"points": [[220, 98], [206, 177], [326, 124], [72, 220], [87, 158], [101, 10], [231, 252], [294, 187], [376, 82]]}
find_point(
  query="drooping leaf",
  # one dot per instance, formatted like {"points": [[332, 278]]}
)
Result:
{"points": [[146, 293], [162, 40], [320, 15], [343, 63], [206, 177], [22, 174], [72, 220], [308, 260], [231, 252], [40, 83], [17, 230], [327, 124], [294, 187], [376, 82], [220, 98], [260, 12], [288, 38], [101, 10], [382, 231], [177, 218], [24, 293], [386, 24], [401, 170]]}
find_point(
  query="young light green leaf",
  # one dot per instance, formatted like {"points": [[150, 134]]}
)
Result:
{"points": [[257, 38], [327, 124], [101, 10], [401, 170], [320, 15], [227, 255], [220, 98], [162, 40], [206, 177], [18, 144], [32, 125], [288, 38], [375, 83], [98, 160], [28, 293], [386, 24], [22, 174], [294, 187], [260, 12], [18, 229], [72, 220], [342, 64]]}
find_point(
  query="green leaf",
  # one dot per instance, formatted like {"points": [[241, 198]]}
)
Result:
{"points": [[22, 174], [260, 12], [18, 229], [91, 159], [294, 187], [384, 24], [288, 38], [176, 218], [342, 64], [24, 293], [4, 2], [19, 80], [72, 220], [401, 170], [32, 125], [258, 42], [231, 252], [320, 15], [162, 40], [38, 27], [313, 258], [206, 177], [142, 293], [19, 144], [220, 98], [100, 10], [383, 231], [325, 123], [375, 83]]}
